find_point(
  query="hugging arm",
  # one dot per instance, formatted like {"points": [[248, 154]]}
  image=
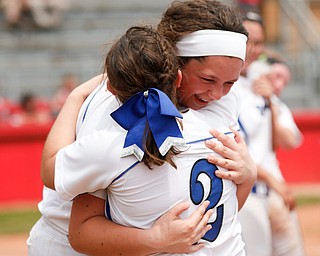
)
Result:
{"points": [[63, 130], [91, 233]]}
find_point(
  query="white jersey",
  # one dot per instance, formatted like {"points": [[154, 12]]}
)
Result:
{"points": [[268, 227], [95, 115], [254, 119], [138, 196], [55, 210], [255, 122]]}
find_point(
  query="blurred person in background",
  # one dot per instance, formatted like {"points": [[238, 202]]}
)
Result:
{"points": [[33, 111], [13, 11], [69, 82], [7, 109], [45, 14], [286, 232], [48, 13], [263, 132]]}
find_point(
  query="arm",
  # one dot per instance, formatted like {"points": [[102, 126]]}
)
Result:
{"points": [[91, 233], [241, 168], [279, 187], [63, 132], [282, 136]]}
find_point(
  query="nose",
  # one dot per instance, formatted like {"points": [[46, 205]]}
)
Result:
{"points": [[216, 93]]}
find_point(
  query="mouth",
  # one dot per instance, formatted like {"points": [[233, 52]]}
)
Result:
{"points": [[202, 99]]}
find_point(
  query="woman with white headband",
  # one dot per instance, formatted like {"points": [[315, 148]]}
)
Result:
{"points": [[201, 84]]}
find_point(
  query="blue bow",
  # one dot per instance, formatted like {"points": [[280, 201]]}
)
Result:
{"points": [[152, 106]]}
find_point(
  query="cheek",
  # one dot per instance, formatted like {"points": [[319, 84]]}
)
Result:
{"points": [[226, 90], [189, 86], [184, 91]]}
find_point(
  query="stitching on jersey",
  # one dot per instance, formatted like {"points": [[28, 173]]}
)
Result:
{"points": [[208, 138], [125, 171]]}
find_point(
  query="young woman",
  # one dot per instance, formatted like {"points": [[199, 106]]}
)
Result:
{"points": [[203, 82], [136, 195]]}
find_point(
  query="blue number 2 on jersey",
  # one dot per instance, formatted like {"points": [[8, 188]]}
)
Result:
{"points": [[197, 194]]}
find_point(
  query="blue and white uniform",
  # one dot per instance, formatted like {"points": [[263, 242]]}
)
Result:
{"points": [[137, 196]]}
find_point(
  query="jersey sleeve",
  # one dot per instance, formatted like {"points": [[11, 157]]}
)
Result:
{"points": [[101, 193], [89, 164]]}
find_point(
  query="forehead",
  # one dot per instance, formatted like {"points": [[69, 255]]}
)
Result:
{"points": [[255, 30], [221, 67], [280, 70]]}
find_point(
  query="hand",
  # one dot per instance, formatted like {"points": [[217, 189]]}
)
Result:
{"points": [[86, 88], [235, 158], [174, 235], [285, 192], [263, 87]]}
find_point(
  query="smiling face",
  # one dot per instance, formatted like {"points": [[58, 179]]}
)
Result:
{"points": [[208, 80]]}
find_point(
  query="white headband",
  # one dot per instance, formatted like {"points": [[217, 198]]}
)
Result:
{"points": [[213, 42]]}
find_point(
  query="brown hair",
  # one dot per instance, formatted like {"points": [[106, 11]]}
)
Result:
{"points": [[185, 17], [139, 60]]}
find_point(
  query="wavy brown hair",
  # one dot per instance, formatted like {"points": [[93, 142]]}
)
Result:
{"points": [[142, 59], [185, 17]]}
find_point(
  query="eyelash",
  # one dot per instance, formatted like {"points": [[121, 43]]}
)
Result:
{"points": [[213, 81]]}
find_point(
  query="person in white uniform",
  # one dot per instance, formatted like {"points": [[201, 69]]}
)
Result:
{"points": [[56, 211], [263, 128], [286, 232], [255, 122], [136, 195]]}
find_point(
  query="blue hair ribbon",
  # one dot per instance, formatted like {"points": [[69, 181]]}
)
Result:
{"points": [[155, 108]]}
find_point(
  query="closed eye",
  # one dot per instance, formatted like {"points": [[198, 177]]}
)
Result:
{"points": [[208, 80]]}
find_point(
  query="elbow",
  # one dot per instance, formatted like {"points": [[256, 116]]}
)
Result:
{"points": [[73, 241], [74, 237], [290, 144], [47, 176]]}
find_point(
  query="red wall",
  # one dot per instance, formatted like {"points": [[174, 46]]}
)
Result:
{"points": [[20, 155], [21, 149], [302, 165]]}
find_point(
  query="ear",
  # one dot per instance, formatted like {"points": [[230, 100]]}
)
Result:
{"points": [[109, 87], [179, 78]]}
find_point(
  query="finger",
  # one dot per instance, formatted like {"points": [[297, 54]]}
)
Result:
{"points": [[237, 136], [202, 232], [226, 140], [203, 227], [197, 216], [220, 149], [179, 208], [195, 247], [205, 219], [222, 162], [229, 175]]}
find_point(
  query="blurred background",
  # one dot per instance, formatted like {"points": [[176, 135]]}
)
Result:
{"points": [[35, 56]]}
